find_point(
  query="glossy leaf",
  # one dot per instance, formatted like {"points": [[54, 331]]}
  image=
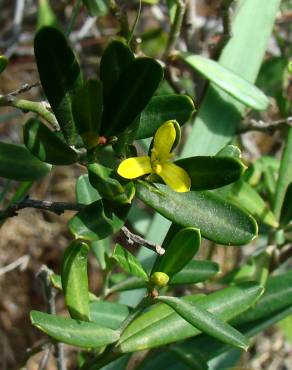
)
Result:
{"points": [[181, 249], [85, 192], [75, 280], [3, 63], [247, 198], [128, 262], [286, 211], [77, 333], [285, 175], [102, 179], [17, 163], [45, 145], [229, 81], [98, 220], [161, 325], [115, 59], [195, 272], [130, 95], [96, 8], [211, 172], [205, 321], [60, 76], [109, 314], [217, 220], [87, 108], [163, 108]]}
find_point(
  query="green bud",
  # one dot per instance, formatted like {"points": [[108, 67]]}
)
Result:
{"points": [[160, 279]]}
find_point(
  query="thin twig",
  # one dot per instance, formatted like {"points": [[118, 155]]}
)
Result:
{"points": [[21, 262], [120, 15], [60, 207], [25, 88], [36, 349], [134, 239], [175, 27], [44, 275], [44, 360], [268, 127]]}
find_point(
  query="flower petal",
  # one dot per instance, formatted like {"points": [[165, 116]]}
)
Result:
{"points": [[175, 177], [164, 140], [134, 167]]}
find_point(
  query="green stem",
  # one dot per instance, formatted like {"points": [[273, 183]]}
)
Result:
{"points": [[27, 105], [175, 27], [75, 12]]}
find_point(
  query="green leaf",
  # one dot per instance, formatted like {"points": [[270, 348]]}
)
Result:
{"points": [[3, 63], [181, 249], [217, 220], [129, 262], [96, 8], [98, 220], [85, 192], [46, 15], [211, 172], [45, 145], [130, 95], [195, 272], [77, 333], [193, 360], [102, 179], [161, 325], [17, 163], [244, 196], [87, 108], [60, 76], [286, 211], [75, 280], [163, 108], [205, 321], [115, 59], [110, 314], [230, 82], [229, 151], [285, 175], [220, 114]]}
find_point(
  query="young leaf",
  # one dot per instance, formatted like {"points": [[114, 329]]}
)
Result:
{"points": [[182, 248], [77, 333], [46, 15], [211, 172], [163, 108], [17, 163], [97, 221], [217, 220], [130, 95], [45, 145], [109, 314], [161, 325], [75, 280], [115, 59], [228, 81], [60, 76], [129, 262], [3, 63], [87, 108], [85, 192], [205, 321]]}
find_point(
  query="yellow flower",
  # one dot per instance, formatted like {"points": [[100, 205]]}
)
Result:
{"points": [[159, 162]]}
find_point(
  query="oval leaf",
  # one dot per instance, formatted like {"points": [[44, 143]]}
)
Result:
{"points": [[161, 325], [163, 108], [181, 249], [130, 95], [85, 192], [110, 314], [228, 81], [77, 333], [96, 222], [195, 272], [45, 145], [75, 280], [60, 76], [17, 163], [217, 220], [205, 321], [129, 262], [211, 172]]}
